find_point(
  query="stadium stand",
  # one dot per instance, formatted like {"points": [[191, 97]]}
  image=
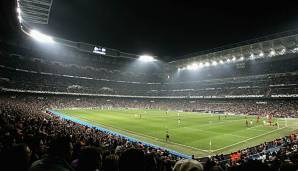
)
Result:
{"points": [[31, 84], [264, 79], [23, 122]]}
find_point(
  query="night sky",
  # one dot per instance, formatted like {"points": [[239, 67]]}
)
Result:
{"points": [[166, 28]]}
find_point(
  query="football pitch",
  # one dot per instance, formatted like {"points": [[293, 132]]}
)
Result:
{"points": [[200, 134]]}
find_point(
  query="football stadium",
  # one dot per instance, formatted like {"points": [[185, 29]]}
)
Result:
{"points": [[94, 97]]}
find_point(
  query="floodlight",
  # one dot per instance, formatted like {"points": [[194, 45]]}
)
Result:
{"points": [[147, 58], [41, 37], [20, 18], [194, 66], [283, 51], [295, 50], [272, 52], [99, 50], [18, 10], [252, 56]]}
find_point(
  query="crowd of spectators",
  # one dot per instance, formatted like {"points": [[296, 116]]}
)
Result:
{"points": [[32, 139], [46, 142], [26, 70], [276, 108], [18, 79], [81, 65]]}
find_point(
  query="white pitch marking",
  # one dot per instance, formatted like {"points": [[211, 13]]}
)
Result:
{"points": [[249, 139]]}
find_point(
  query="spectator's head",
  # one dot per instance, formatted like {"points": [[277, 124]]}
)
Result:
{"points": [[188, 165], [110, 163], [61, 146], [287, 166], [131, 160], [254, 165], [90, 159], [17, 157], [150, 162], [294, 158]]}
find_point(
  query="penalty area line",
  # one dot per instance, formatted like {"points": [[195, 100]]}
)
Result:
{"points": [[240, 142], [140, 134]]}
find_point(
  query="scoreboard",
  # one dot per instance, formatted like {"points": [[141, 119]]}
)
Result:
{"points": [[89, 48], [99, 50]]}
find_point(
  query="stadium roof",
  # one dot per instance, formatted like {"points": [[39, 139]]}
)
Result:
{"points": [[168, 29]]}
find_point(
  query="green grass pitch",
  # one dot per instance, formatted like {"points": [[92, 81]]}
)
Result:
{"points": [[194, 133]]}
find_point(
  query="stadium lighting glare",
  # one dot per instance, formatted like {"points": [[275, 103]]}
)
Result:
{"points": [[252, 56], [295, 50], [283, 51], [214, 63], [181, 69], [189, 67], [193, 66], [99, 50], [20, 18], [41, 37], [18, 10], [272, 52], [147, 58]]}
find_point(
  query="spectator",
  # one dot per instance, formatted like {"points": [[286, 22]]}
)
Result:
{"points": [[188, 165], [16, 158], [90, 159], [132, 160], [110, 163], [59, 155]]}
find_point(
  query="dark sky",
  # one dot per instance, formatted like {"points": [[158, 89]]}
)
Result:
{"points": [[166, 28]]}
